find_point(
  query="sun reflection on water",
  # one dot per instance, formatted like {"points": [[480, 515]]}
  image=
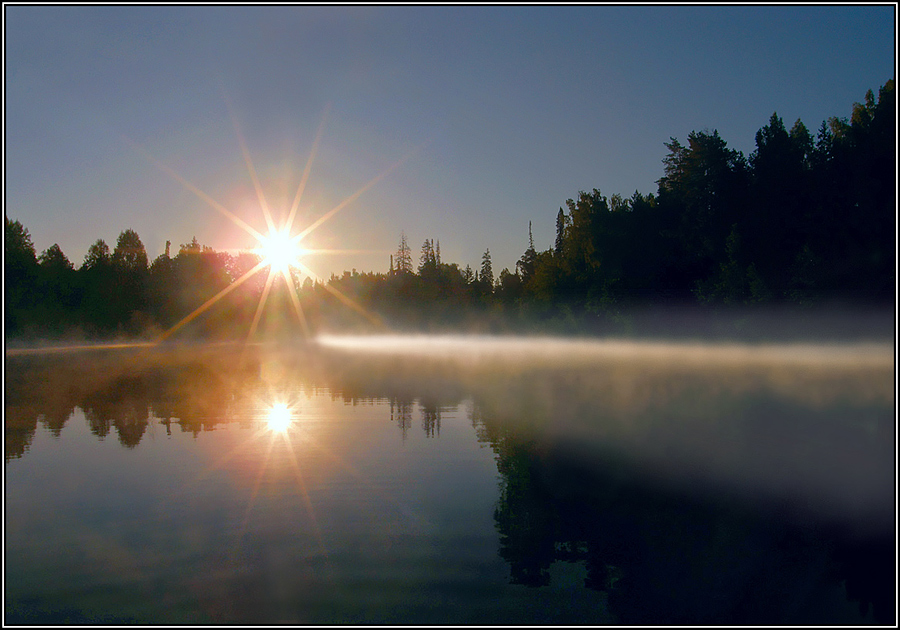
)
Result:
{"points": [[279, 418]]}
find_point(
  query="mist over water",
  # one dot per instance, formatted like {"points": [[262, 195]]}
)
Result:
{"points": [[807, 425], [639, 480], [552, 349]]}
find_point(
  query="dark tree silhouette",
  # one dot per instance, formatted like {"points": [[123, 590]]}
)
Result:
{"points": [[487, 272], [803, 221], [404, 256], [58, 288], [130, 273], [20, 275]]}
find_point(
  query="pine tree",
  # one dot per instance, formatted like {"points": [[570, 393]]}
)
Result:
{"points": [[404, 256], [560, 232], [487, 271], [427, 258], [525, 266]]}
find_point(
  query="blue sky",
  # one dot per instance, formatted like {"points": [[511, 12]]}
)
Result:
{"points": [[484, 118]]}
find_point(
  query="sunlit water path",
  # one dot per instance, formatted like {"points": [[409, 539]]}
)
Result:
{"points": [[451, 480]]}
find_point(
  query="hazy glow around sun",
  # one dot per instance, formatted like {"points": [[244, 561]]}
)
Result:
{"points": [[278, 249]]}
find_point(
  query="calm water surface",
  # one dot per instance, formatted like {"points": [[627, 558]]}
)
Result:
{"points": [[450, 481]]}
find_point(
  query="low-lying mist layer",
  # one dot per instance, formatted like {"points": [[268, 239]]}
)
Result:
{"points": [[809, 426], [551, 349]]}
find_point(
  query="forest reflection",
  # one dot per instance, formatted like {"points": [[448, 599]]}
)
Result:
{"points": [[690, 493], [191, 389]]}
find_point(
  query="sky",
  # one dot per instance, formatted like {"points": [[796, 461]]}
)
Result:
{"points": [[460, 124]]}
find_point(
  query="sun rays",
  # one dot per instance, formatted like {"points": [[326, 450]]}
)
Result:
{"points": [[279, 248], [271, 450], [282, 252]]}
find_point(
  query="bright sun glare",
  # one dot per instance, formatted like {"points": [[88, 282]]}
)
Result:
{"points": [[280, 251], [279, 418]]}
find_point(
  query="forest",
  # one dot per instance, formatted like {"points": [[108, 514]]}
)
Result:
{"points": [[803, 221]]}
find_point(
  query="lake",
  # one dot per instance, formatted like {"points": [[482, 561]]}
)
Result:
{"points": [[451, 480]]}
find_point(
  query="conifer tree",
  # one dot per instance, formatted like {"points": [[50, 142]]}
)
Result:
{"points": [[560, 232], [487, 271], [404, 256], [525, 266]]}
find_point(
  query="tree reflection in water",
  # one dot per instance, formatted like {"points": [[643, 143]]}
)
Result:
{"points": [[580, 482], [669, 557]]}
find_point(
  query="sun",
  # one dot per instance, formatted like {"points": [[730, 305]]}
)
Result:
{"points": [[279, 418], [280, 251]]}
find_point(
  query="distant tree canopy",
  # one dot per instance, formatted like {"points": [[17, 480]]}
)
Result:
{"points": [[802, 220], [20, 274]]}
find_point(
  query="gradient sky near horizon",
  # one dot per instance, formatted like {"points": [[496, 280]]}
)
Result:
{"points": [[485, 118]]}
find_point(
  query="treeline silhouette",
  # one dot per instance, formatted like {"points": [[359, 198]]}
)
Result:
{"points": [[802, 221]]}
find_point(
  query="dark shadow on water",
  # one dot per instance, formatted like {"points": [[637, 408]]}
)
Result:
{"points": [[677, 557]]}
